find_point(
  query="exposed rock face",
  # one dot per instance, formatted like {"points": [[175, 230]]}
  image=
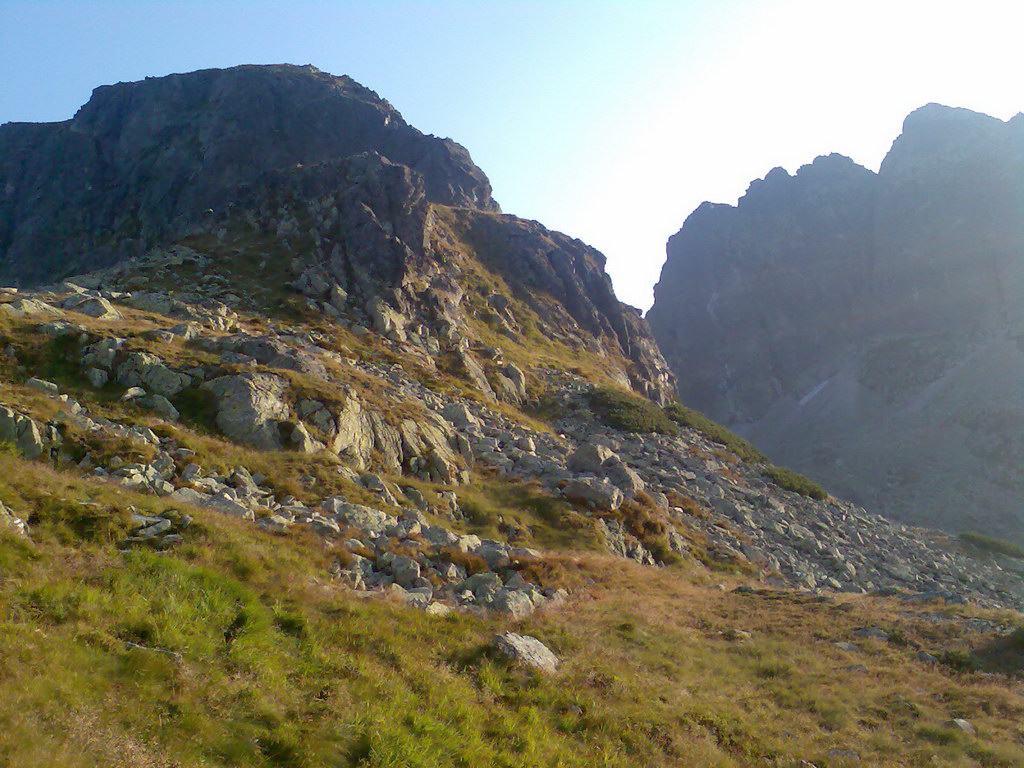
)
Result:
{"points": [[144, 160], [864, 327], [379, 223], [250, 408]]}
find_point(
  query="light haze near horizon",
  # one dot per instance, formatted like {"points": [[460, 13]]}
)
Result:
{"points": [[610, 121]]}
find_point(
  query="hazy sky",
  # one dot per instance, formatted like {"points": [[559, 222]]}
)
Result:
{"points": [[610, 121]]}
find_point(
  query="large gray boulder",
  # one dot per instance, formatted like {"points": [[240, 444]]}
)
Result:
{"points": [[589, 457], [22, 432], [597, 492], [250, 408], [142, 369], [526, 651]]}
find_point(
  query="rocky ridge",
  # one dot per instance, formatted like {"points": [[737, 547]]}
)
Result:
{"points": [[863, 327]]}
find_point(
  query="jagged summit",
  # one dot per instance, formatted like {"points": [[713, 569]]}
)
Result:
{"points": [[861, 326]]}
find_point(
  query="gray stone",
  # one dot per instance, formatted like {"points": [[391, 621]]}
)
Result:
{"points": [[526, 651], [141, 369], [93, 306], [161, 406], [599, 493], [405, 570], [97, 377], [249, 407], [46, 387], [368, 519], [27, 308], [959, 724], [589, 457], [22, 432], [513, 602]]}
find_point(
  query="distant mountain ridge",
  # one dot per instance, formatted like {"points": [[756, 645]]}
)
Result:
{"points": [[865, 327]]}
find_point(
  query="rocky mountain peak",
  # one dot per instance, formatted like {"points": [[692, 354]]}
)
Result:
{"points": [[143, 161], [844, 320], [324, 181]]}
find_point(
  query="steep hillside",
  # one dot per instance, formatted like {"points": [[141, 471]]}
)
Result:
{"points": [[864, 327], [348, 473]]}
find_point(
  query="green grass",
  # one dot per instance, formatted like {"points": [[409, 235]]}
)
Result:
{"points": [[628, 412], [992, 544], [235, 649], [714, 431], [795, 482]]}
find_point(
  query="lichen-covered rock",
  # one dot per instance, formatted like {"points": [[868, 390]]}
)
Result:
{"points": [[142, 369], [597, 492], [250, 407], [526, 651], [22, 432]]}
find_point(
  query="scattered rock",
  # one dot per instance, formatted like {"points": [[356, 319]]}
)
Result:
{"points": [[959, 724], [526, 651]]}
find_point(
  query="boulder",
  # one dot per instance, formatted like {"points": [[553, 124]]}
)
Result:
{"points": [[161, 406], [97, 377], [46, 387], [511, 601], [22, 432], [93, 306], [596, 492], [141, 369], [526, 651], [368, 519], [27, 308], [405, 570], [249, 407], [386, 320], [589, 457], [354, 436]]}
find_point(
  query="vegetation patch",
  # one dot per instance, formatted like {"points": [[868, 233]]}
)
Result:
{"points": [[712, 430], [795, 482], [524, 512], [630, 413], [985, 543]]}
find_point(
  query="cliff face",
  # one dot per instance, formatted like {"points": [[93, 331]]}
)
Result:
{"points": [[141, 161], [334, 182], [863, 327]]}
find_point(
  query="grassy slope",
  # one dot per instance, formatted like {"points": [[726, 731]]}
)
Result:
{"points": [[272, 665]]}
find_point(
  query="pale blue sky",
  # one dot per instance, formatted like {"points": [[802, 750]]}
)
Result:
{"points": [[608, 120]]}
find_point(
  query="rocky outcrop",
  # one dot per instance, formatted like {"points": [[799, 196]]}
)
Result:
{"points": [[250, 408], [377, 223], [145, 161], [864, 327]]}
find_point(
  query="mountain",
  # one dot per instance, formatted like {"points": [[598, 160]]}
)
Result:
{"points": [[326, 461], [864, 328], [365, 199]]}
